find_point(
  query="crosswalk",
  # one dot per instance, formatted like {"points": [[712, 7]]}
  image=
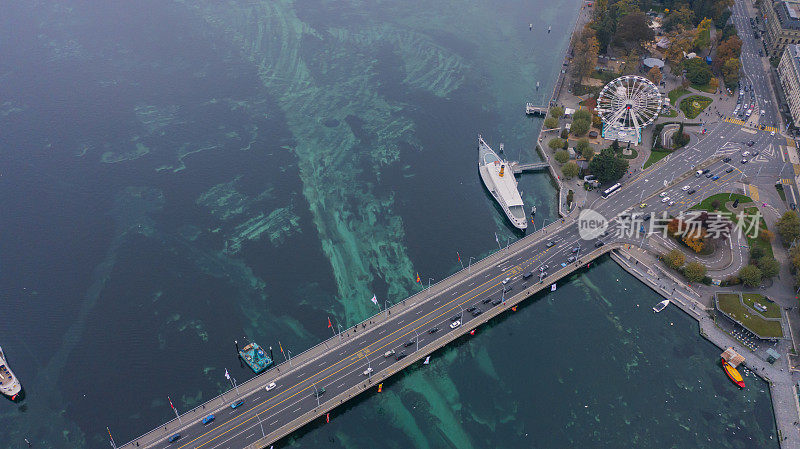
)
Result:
{"points": [[741, 122], [786, 181]]}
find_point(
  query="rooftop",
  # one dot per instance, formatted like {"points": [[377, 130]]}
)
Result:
{"points": [[788, 12]]}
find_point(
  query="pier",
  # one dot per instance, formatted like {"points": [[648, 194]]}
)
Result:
{"points": [[518, 168]]}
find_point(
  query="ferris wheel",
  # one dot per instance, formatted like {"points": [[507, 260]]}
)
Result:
{"points": [[628, 104]]}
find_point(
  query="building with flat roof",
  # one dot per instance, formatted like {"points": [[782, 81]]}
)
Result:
{"points": [[789, 76], [782, 24]]}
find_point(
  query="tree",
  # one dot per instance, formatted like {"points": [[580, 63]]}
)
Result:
{"points": [[580, 126], [713, 84], [654, 75], [697, 71], [556, 111], [555, 143], [550, 123], [675, 258], [680, 43], [585, 149], [715, 204], [607, 166], [769, 267], [788, 226], [750, 275], [586, 49], [756, 252], [694, 271], [728, 31], [680, 138], [680, 17], [765, 235], [730, 72], [702, 39], [582, 114], [633, 31], [727, 49], [562, 156], [564, 136], [570, 170]]}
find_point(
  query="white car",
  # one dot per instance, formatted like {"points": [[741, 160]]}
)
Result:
{"points": [[685, 188], [772, 133], [662, 194], [672, 203], [270, 386], [665, 199], [505, 281], [367, 371], [746, 153], [389, 353], [763, 112], [455, 324]]}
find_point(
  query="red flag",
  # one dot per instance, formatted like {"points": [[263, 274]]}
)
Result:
{"points": [[170, 403], [380, 387], [418, 280], [327, 417], [514, 308], [330, 325], [459, 256], [472, 332]]}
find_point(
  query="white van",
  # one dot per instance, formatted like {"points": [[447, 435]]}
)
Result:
{"points": [[698, 173]]}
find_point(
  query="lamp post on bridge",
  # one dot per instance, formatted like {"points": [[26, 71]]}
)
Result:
{"points": [[290, 357], [316, 393], [469, 267], [386, 307], [429, 282], [416, 340], [263, 434]]}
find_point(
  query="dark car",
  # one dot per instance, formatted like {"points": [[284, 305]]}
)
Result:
{"points": [[756, 152], [646, 217], [400, 356], [690, 191], [744, 161], [709, 175], [576, 249], [455, 317], [527, 275], [571, 259], [707, 170], [477, 312], [598, 244], [174, 438], [793, 206], [471, 309], [237, 404], [751, 143], [497, 301], [319, 392], [487, 300], [508, 288], [729, 169], [727, 159], [433, 330], [409, 343], [550, 243]]}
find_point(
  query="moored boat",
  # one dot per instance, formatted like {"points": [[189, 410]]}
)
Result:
{"points": [[660, 306], [498, 178], [9, 384], [733, 374], [255, 357]]}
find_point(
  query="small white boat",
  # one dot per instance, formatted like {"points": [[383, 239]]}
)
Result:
{"points": [[660, 306]]}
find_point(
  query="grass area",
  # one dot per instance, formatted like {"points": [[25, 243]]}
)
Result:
{"points": [[705, 88], [692, 106], [671, 113], [674, 94], [731, 305], [633, 154], [779, 188], [655, 156], [762, 226], [773, 310], [722, 198]]}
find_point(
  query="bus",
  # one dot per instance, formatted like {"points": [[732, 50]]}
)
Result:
{"points": [[611, 190]]}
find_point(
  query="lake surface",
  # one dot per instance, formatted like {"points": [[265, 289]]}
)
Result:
{"points": [[178, 175]]}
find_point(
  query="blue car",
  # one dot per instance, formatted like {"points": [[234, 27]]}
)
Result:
{"points": [[208, 419], [237, 404], [174, 438], [715, 178]]}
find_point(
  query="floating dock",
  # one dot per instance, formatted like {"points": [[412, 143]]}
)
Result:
{"points": [[255, 357]]}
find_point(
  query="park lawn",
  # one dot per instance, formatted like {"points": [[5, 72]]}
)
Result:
{"points": [[773, 310], [694, 105], [655, 156], [633, 154], [672, 113], [731, 305], [705, 88], [674, 94]]}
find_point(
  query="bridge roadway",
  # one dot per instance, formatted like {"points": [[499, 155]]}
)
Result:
{"points": [[338, 364]]}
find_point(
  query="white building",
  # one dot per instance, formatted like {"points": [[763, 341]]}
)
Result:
{"points": [[789, 74]]}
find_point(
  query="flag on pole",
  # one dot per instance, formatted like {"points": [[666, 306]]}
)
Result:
{"points": [[459, 256], [227, 375], [514, 308], [427, 360], [374, 300], [553, 288], [330, 325], [380, 387], [280, 346], [327, 417], [472, 332], [170, 404], [418, 279], [497, 239]]}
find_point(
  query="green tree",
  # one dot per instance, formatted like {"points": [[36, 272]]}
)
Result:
{"points": [[757, 252], [697, 71], [555, 143], [750, 275], [585, 149], [654, 75], [788, 226], [586, 49], [580, 126], [582, 114], [607, 166], [769, 267], [556, 111], [570, 170], [730, 72], [680, 17], [703, 38], [680, 43], [562, 156], [694, 271], [633, 31], [550, 123], [675, 258]]}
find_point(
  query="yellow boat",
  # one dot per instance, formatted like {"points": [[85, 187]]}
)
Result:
{"points": [[733, 374]]}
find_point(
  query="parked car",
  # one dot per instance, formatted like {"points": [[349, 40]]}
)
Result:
{"points": [[729, 169]]}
